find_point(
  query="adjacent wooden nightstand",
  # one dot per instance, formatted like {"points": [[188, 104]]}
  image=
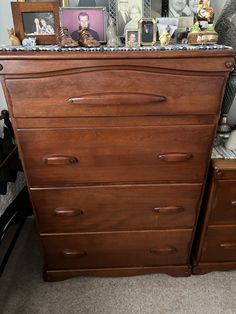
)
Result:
{"points": [[215, 245]]}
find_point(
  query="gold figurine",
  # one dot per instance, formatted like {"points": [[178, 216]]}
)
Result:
{"points": [[15, 41]]}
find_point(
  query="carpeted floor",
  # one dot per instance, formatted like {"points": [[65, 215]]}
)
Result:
{"points": [[22, 290]]}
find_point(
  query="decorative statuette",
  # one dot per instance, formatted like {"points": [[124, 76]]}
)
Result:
{"points": [[29, 42], [203, 31], [165, 37], [112, 39], [15, 41]]}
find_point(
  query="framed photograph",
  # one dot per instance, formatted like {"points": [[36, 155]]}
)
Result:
{"points": [[132, 38], [92, 18], [129, 12], [148, 32], [36, 19]]}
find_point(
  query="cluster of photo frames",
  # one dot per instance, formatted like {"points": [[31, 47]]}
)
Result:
{"points": [[41, 19]]}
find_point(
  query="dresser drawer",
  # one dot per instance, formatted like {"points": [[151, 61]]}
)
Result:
{"points": [[91, 155], [129, 207], [224, 204], [146, 248], [116, 92], [220, 244]]}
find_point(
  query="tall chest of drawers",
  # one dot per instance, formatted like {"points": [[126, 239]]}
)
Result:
{"points": [[115, 147]]}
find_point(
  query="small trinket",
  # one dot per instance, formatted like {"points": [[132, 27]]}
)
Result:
{"points": [[15, 41]]}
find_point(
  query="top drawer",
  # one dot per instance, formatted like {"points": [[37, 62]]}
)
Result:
{"points": [[120, 91]]}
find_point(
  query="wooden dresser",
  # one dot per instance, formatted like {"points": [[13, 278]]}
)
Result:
{"points": [[216, 236], [116, 147]]}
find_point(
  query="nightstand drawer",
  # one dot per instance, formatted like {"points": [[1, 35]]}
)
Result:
{"points": [[146, 248], [115, 92], [107, 208], [220, 244], [128, 154], [224, 205]]}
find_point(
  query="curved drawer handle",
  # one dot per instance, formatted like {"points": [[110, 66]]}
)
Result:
{"points": [[233, 203], [117, 99], [229, 245], [169, 210], [163, 250], [60, 160], [74, 253], [68, 212], [172, 157]]}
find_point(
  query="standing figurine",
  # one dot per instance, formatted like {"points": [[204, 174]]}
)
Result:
{"points": [[15, 41], [112, 39], [165, 37]]}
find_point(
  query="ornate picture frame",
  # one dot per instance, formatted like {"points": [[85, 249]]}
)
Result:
{"points": [[36, 19], [69, 18], [148, 31]]}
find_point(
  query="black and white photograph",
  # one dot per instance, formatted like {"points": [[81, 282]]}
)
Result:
{"points": [[156, 8], [89, 3], [129, 12], [179, 8], [38, 23]]}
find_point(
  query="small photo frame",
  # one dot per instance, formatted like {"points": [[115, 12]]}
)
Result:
{"points": [[148, 32], [36, 19], [92, 18], [132, 38]]}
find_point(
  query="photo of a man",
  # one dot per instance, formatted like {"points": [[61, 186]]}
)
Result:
{"points": [[123, 15], [147, 32], [83, 20], [179, 8]]}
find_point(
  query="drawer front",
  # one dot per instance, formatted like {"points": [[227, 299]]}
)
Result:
{"points": [[88, 209], [83, 156], [224, 204], [117, 249], [115, 92], [220, 244]]}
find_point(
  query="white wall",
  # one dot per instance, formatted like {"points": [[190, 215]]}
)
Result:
{"points": [[6, 22]]}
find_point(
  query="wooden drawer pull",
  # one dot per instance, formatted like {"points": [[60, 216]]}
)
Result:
{"points": [[168, 210], [163, 250], [74, 253], [117, 98], [60, 160], [172, 157], [233, 203], [229, 245], [68, 212]]}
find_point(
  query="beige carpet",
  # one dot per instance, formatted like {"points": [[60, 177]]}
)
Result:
{"points": [[22, 290]]}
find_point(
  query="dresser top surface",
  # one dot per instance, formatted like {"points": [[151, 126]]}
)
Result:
{"points": [[55, 52]]}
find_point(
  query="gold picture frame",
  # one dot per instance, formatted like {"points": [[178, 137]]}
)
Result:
{"points": [[148, 31], [132, 38]]}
